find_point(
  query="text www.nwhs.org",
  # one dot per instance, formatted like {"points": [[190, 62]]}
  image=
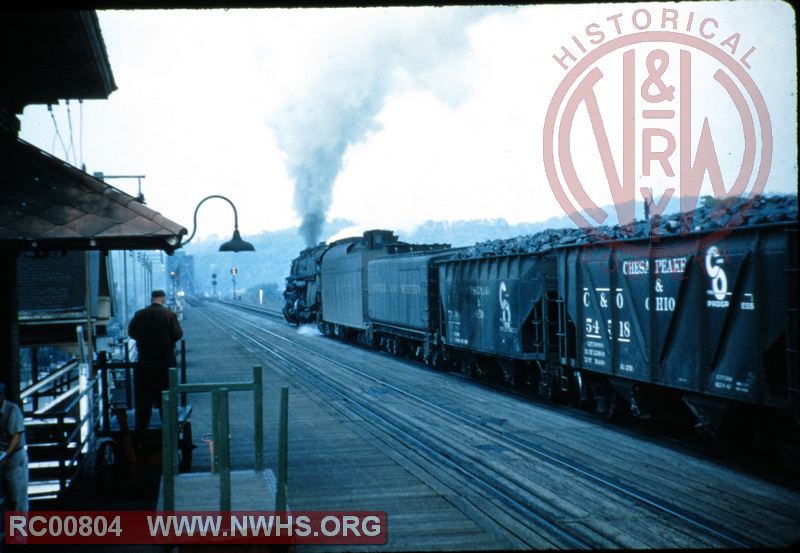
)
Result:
{"points": [[255, 526]]}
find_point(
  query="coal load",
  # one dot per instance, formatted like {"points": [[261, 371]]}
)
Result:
{"points": [[766, 210]]}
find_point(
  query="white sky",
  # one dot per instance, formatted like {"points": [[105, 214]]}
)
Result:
{"points": [[442, 109]]}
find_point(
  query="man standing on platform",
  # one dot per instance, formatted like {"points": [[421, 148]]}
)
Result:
{"points": [[156, 330]]}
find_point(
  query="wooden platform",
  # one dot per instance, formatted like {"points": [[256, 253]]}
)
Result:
{"points": [[250, 491]]}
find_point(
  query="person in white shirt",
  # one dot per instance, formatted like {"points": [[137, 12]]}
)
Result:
{"points": [[13, 456]]}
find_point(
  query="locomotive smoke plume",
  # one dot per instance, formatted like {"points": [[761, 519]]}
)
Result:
{"points": [[380, 54]]}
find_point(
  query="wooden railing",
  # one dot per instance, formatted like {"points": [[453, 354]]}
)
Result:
{"points": [[220, 428]]}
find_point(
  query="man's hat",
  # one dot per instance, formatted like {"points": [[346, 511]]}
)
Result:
{"points": [[158, 294]]}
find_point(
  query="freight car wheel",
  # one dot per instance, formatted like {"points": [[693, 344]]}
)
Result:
{"points": [[434, 360], [551, 381], [608, 401], [582, 398]]}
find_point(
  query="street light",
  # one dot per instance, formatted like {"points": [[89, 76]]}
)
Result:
{"points": [[235, 244]]}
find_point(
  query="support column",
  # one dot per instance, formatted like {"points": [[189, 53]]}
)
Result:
{"points": [[9, 325]]}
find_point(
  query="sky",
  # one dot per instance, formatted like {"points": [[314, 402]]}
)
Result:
{"points": [[391, 117]]}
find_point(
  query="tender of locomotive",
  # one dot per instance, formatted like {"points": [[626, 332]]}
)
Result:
{"points": [[404, 304], [714, 330], [344, 310]]}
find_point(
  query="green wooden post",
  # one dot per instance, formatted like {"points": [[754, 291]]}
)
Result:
{"points": [[222, 458], [171, 424], [167, 447], [220, 429], [183, 371], [283, 447], [258, 414]]}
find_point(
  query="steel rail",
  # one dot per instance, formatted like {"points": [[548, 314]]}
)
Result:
{"points": [[497, 436]]}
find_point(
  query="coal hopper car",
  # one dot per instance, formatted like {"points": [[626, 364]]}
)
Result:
{"points": [[709, 335], [499, 314], [710, 329]]}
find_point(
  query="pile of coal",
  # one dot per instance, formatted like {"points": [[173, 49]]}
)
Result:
{"points": [[709, 215]]}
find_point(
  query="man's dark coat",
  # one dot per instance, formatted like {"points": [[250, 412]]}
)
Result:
{"points": [[156, 330]]}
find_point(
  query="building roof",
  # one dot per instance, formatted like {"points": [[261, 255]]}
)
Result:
{"points": [[53, 55], [47, 204]]}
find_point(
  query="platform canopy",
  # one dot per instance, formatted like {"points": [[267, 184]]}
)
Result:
{"points": [[47, 204], [52, 55]]}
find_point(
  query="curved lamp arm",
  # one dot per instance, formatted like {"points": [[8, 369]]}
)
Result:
{"points": [[234, 245]]}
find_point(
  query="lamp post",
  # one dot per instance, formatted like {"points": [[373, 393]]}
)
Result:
{"points": [[235, 244], [233, 272]]}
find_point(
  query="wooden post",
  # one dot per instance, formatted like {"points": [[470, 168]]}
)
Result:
{"points": [[168, 448], [222, 459], [221, 434], [283, 447], [171, 424], [258, 413], [103, 367], [183, 371]]}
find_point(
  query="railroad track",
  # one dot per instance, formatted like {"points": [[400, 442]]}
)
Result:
{"points": [[252, 308], [542, 494]]}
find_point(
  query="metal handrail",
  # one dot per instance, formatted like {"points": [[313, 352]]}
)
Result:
{"points": [[30, 390], [65, 464]]}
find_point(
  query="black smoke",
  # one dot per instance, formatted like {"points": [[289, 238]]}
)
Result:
{"points": [[385, 51]]}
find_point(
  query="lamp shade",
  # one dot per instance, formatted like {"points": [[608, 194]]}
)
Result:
{"points": [[236, 244]]}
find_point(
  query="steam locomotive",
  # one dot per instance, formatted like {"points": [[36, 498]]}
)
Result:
{"points": [[710, 334]]}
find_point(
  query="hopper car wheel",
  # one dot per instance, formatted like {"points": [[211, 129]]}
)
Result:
{"points": [[108, 468], [582, 399], [552, 380], [468, 368], [609, 402], [433, 360], [571, 387]]}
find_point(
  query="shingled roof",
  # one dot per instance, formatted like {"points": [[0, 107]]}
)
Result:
{"points": [[47, 204]]}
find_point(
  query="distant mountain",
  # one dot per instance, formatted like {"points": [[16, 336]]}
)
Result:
{"points": [[266, 268]]}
